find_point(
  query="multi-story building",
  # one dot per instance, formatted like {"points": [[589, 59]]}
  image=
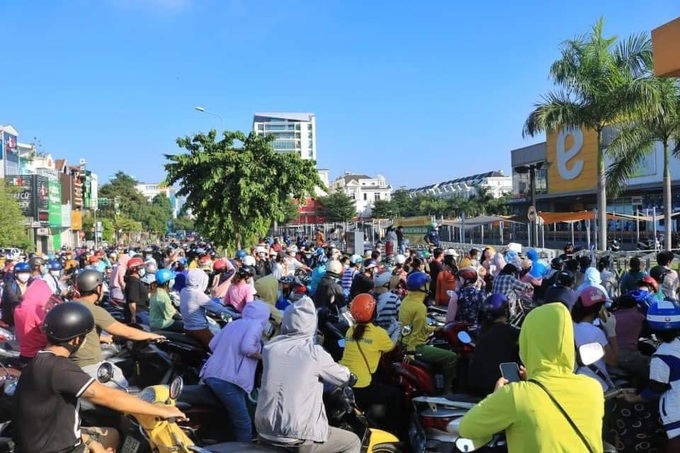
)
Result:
{"points": [[293, 132], [150, 190], [363, 189], [494, 181]]}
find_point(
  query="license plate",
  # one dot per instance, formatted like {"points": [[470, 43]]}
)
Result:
{"points": [[131, 445]]}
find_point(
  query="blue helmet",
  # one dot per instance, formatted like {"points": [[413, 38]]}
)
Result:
{"points": [[22, 267], [664, 315], [241, 254], [164, 276], [495, 306], [54, 265], [644, 299], [417, 281]]}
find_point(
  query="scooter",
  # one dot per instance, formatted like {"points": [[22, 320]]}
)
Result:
{"points": [[166, 436]]}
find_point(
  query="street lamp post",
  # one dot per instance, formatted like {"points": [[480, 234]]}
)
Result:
{"points": [[203, 110]]}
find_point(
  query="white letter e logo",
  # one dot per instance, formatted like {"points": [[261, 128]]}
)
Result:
{"points": [[565, 155]]}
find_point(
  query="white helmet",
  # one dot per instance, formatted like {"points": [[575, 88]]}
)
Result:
{"points": [[400, 259], [383, 279], [249, 260], [335, 267], [260, 249], [451, 252]]}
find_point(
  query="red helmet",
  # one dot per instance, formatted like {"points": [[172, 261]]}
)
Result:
{"points": [[220, 264], [134, 263], [468, 274], [362, 308], [591, 295], [649, 281]]}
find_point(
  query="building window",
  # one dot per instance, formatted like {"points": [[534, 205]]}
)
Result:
{"points": [[377, 196], [365, 196]]}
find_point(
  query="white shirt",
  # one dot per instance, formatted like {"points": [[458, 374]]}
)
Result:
{"points": [[584, 333], [293, 265]]}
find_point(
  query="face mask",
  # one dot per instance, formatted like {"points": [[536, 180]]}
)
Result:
{"points": [[142, 272], [346, 266], [55, 273], [23, 277]]}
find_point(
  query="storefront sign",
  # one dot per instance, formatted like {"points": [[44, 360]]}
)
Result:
{"points": [[76, 220], [54, 203], [572, 160]]}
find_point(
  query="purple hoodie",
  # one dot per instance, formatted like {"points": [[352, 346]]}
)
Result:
{"points": [[234, 345]]}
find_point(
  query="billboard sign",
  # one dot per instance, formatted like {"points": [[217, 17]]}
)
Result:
{"points": [[54, 203], [10, 153], [23, 186]]}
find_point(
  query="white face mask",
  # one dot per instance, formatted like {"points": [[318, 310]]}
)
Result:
{"points": [[142, 272], [23, 277], [55, 273]]}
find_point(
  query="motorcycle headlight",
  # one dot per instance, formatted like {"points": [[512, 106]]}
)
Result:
{"points": [[148, 395]]}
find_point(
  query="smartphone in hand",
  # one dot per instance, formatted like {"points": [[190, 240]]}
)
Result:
{"points": [[510, 371]]}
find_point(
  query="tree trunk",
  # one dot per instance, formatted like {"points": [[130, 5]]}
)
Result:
{"points": [[601, 195], [667, 197]]}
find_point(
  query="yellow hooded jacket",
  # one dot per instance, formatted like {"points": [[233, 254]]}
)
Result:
{"points": [[531, 421]]}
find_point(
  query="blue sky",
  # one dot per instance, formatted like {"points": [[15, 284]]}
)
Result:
{"points": [[418, 91]]}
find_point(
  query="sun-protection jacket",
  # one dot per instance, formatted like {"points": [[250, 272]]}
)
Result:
{"points": [[531, 421], [290, 403]]}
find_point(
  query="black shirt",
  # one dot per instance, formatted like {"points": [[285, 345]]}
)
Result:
{"points": [[360, 284], [45, 405], [136, 292], [435, 269], [497, 344]]}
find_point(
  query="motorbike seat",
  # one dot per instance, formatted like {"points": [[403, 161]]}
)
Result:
{"points": [[463, 398], [234, 447], [199, 395], [420, 364], [179, 338]]}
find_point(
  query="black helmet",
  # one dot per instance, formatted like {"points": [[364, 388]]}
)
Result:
{"points": [[658, 273], [245, 271], [557, 263], [36, 262], [565, 278], [67, 321], [89, 280]]}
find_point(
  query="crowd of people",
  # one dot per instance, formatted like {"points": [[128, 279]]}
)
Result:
{"points": [[519, 307]]}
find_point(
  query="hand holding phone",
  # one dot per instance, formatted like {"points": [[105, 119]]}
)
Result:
{"points": [[510, 371]]}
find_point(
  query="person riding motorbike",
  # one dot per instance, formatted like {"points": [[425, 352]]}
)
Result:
{"points": [[37, 267], [90, 286], [136, 293], [507, 284], [363, 281], [497, 342], [413, 313], [54, 278], [588, 307], [29, 316], [351, 272], [230, 370], [388, 302], [240, 292], [46, 401], [466, 301], [13, 292], [290, 408], [629, 324], [446, 279], [223, 273], [365, 342], [162, 313], [660, 274], [525, 411], [194, 303], [329, 293]]}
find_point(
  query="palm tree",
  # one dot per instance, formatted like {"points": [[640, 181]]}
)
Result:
{"points": [[600, 82], [636, 139]]}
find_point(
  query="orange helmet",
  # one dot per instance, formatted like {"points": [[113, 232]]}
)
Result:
{"points": [[219, 264], [134, 263], [362, 308]]}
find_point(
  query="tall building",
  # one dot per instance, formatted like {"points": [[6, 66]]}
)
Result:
{"points": [[151, 190], [293, 132]]}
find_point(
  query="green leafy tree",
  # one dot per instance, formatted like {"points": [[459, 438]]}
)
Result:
{"points": [[291, 212], [601, 81], [382, 209], [12, 229], [635, 140], [238, 185], [132, 203], [337, 207], [183, 223], [403, 204]]}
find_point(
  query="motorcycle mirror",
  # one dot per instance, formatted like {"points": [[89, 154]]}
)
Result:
{"points": [[464, 337], [105, 372], [590, 353], [406, 331], [176, 387], [341, 342]]}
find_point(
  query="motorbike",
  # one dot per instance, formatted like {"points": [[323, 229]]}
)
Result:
{"points": [[148, 433]]}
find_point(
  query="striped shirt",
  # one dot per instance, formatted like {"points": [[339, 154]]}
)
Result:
{"points": [[388, 309], [347, 278]]}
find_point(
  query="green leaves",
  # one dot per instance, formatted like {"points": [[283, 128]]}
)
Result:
{"points": [[12, 230], [237, 185], [337, 207]]}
